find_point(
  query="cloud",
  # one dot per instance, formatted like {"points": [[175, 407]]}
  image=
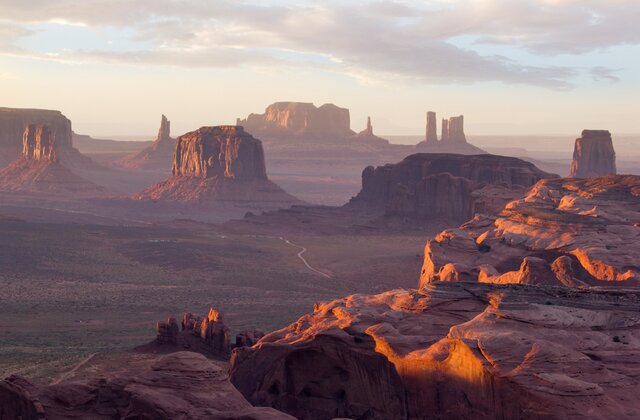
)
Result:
{"points": [[375, 39]]}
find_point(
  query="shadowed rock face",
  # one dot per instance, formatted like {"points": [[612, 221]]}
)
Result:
{"points": [[593, 155], [432, 130], [300, 118], [157, 156], [571, 232], [452, 351], [181, 385], [425, 186], [224, 152]]}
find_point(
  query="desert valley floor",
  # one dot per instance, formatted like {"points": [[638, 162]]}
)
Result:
{"points": [[75, 290]]}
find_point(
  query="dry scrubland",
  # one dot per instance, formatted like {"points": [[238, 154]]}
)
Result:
{"points": [[68, 291]]}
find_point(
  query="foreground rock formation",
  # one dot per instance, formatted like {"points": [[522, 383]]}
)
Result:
{"points": [[452, 351], [14, 122], [593, 155], [571, 232], [181, 385], [444, 186], [157, 156], [223, 163], [39, 168]]}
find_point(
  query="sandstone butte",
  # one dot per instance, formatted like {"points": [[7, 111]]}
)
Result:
{"points": [[223, 163], [452, 139], [182, 385], [593, 155], [13, 123], [473, 341], [39, 168], [429, 186], [158, 155], [572, 232]]}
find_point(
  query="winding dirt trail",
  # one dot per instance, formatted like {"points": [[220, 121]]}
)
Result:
{"points": [[74, 369], [306, 263]]}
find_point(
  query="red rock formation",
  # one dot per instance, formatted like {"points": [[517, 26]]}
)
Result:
{"points": [[593, 155], [222, 163], [180, 385], [432, 130], [157, 156], [431, 186], [297, 118], [13, 123], [167, 332], [477, 351], [455, 130], [211, 329], [444, 137], [39, 169], [570, 232]]}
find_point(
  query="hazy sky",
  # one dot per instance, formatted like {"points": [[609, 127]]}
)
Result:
{"points": [[510, 66]]}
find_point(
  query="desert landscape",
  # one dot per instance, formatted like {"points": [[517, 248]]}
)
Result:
{"points": [[333, 220]]}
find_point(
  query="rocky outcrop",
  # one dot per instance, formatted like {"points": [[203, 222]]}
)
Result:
{"points": [[223, 163], [593, 155], [219, 152], [452, 351], [455, 130], [14, 122], [298, 118], [443, 186], [182, 385], [432, 130], [211, 329], [158, 155], [570, 232], [39, 169], [167, 332]]}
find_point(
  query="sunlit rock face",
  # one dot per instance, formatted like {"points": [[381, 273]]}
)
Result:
{"points": [[14, 122], [452, 351], [593, 155], [39, 170], [38, 143], [571, 232], [223, 151], [444, 186], [223, 163], [181, 385], [300, 118]]}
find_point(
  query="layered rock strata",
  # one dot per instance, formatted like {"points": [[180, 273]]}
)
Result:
{"points": [[571, 232], [223, 163], [430, 186], [452, 351], [182, 385], [593, 155]]}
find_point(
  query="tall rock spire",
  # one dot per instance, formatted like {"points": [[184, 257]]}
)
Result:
{"points": [[432, 133]]}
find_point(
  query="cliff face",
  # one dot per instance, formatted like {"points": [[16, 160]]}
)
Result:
{"points": [[450, 350], [425, 186], [297, 118], [217, 164], [432, 130], [38, 143], [224, 152], [593, 155], [13, 123], [570, 232]]}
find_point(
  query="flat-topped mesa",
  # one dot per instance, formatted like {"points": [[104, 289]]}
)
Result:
{"points": [[593, 155], [428, 186], [13, 123], [39, 143], [300, 118], [432, 129], [226, 152]]}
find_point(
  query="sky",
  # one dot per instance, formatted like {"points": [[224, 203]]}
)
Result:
{"points": [[510, 66]]}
